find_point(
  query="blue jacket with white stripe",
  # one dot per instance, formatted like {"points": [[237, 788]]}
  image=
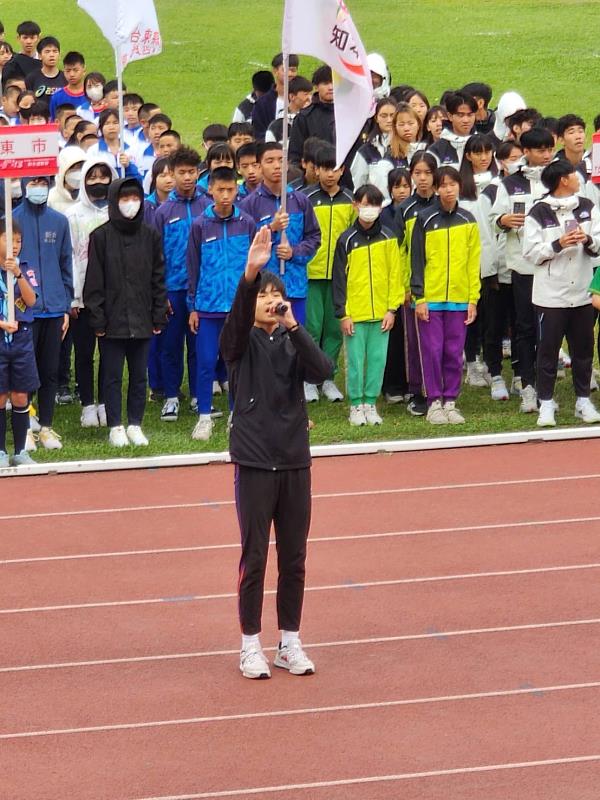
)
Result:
{"points": [[173, 220]]}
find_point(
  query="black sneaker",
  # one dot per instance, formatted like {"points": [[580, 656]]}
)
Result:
{"points": [[64, 396], [157, 396], [417, 405]]}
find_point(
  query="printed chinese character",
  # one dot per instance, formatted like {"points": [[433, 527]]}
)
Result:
{"points": [[39, 145], [135, 36], [7, 146], [339, 38]]}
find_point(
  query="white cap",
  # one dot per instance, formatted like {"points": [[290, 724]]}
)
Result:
{"points": [[377, 64], [507, 105]]}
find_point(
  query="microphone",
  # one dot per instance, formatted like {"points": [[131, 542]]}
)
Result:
{"points": [[281, 309]]}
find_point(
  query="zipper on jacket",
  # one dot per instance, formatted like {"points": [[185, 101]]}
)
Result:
{"points": [[39, 255], [371, 280], [448, 263], [329, 239]]}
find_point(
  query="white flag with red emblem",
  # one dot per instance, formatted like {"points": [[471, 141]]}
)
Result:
{"points": [[131, 26], [324, 29]]}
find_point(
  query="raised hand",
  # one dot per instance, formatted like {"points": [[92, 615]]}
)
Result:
{"points": [[259, 254]]}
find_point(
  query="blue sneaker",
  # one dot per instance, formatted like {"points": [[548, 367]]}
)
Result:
{"points": [[4, 459], [22, 459]]}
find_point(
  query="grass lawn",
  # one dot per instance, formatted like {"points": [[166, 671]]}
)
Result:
{"points": [[546, 49]]}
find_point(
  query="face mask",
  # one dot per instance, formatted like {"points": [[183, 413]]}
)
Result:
{"points": [[37, 194], [95, 93], [73, 179], [97, 191], [16, 190], [129, 208], [369, 213]]}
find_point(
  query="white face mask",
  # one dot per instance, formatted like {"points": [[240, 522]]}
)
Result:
{"points": [[95, 93], [73, 178], [129, 208], [369, 213]]}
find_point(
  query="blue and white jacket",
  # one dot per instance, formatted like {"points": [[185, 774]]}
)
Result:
{"points": [[173, 220], [48, 252], [216, 258], [303, 234]]}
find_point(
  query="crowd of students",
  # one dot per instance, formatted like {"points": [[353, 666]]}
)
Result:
{"points": [[453, 236]]}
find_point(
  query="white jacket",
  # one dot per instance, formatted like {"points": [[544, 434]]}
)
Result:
{"points": [[60, 198], [561, 275], [84, 217]]}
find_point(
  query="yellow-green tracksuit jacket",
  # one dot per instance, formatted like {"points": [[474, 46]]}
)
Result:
{"points": [[334, 215], [404, 222]]}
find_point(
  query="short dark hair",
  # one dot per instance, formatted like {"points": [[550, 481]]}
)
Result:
{"points": [[72, 58], [160, 118], [131, 99], [248, 149], [222, 174], [372, 193], [399, 93], [15, 226], [215, 133], [569, 121], [505, 149], [300, 84], [96, 77], [170, 132], [12, 88], [423, 157], [1, 27], [40, 109], [537, 138], [277, 60], [446, 172], [476, 90], [184, 157], [397, 176], [146, 109], [531, 115], [105, 116], [47, 41], [218, 152], [111, 86], [266, 147], [240, 129], [322, 75], [262, 81], [550, 123], [457, 99], [268, 278], [28, 28], [60, 109], [556, 170], [596, 122], [311, 147], [326, 157], [81, 126]]}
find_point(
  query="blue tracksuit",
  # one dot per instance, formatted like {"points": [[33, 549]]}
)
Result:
{"points": [[216, 259], [303, 233]]}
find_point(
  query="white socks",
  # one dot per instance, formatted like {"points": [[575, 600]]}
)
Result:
{"points": [[287, 638], [250, 641]]}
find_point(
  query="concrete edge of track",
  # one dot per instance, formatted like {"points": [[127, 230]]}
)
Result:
{"points": [[318, 451]]}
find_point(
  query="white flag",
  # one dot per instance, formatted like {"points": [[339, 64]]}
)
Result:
{"points": [[129, 25], [324, 29]]}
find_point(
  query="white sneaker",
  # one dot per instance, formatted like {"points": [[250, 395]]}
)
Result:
{"points": [[585, 410], [593, 383], [516, 386], [436, 414], [293, 658], [499, 390], [224, 386], [34, 424], [546, 416], [49, 439], [170, 410], [194, 404], [102, 415], [477, 375], [311, 392], [136, 437], [117, 437], [506, 348], [357, 416], [528, 400], [565, 358], [203, 428], [371, 415], [253, 664], [217, 388], [394, 399], [331, 392], [89, 417], [452, 413], [30, 445]]}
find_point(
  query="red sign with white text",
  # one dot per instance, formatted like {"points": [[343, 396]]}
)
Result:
{"points": [[28, 150]]}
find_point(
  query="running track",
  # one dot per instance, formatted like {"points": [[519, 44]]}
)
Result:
{"points": [[453, 611]]}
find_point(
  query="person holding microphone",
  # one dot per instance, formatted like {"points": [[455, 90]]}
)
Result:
{"points": [[269, 355]]}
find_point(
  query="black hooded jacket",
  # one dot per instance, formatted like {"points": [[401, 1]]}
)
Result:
{"points": [[317, 119], [124, 289]]}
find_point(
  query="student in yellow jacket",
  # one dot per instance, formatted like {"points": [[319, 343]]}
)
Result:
{"points": [[334, 209], [367, 290], [445, 285]]}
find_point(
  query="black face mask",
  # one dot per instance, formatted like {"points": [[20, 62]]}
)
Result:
{"points": [[97, 191]]}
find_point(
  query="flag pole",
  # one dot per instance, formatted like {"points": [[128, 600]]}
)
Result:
{"points": [[285, 145], [10, 282], [119, 61]]}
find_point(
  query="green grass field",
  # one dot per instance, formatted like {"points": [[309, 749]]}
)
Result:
{"points": [[546, 49]]}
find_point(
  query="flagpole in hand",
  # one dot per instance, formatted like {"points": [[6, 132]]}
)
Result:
{"points": [[10, 281], [285, 145], [119, 59]]}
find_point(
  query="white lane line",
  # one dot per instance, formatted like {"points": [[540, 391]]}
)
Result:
{"points": [[297, 712], [322, 496], [349, 585], [536, 523], [408, 637], [406, 776]]}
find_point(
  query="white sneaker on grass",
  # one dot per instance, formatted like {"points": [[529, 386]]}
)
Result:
{"points": [[50, 439], [4, 459], [102, 415], [117, 437], [203, 428], [357, 416], [516, 386], [253, 664], [89, 417], [546, 416], [216, 389], [34, 423], [311, 392], [394, 399], [170, 410], [528, 400], [30, 444], [565, 358], [331, 392], [371, 415], [499, 390], [452, 413], [477, 375], [22, 459], [136, 436], [293, 658], [586, 411], [593, 383], [436, 414]]}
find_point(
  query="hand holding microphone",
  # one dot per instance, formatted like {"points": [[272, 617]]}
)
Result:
{"points": [[284, 312]]}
